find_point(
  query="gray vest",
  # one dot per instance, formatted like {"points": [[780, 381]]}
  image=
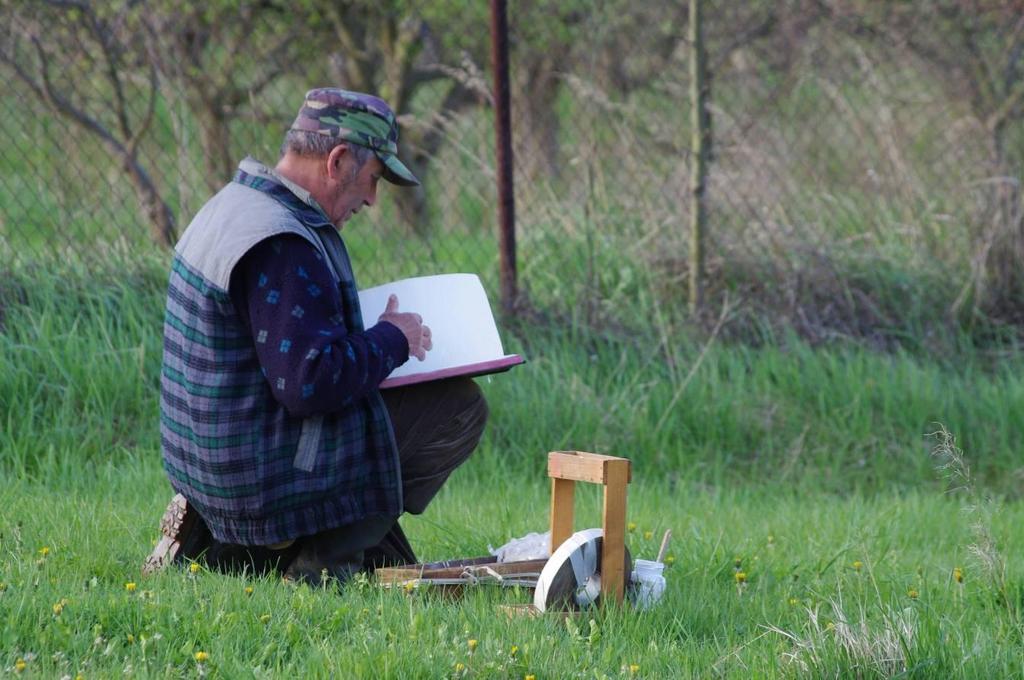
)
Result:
{"points": [[256, 474]]}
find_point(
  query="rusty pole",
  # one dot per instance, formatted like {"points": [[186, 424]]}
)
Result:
{"points": [[699, 145], [503, 132]]}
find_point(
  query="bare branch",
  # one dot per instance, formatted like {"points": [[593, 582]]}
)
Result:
{"points": [[68, 4], [761, 30], [358, 62], [101, 33], [1006, 107], [231, 95], [235, 52], [154, 86], [62, 105]]}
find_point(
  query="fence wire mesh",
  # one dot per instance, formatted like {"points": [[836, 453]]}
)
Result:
{"points": [[865, 157], [121, 119]]}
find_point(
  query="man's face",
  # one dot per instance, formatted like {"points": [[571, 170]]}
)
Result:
{"points": [[351, 189]]}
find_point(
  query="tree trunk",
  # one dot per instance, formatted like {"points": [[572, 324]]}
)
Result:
{"points": [[412, 201], [218, 163], [538, 125], [161, 219], [1004, 270]]}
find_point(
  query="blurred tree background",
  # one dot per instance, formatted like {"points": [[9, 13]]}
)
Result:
{"points": [[863, 180]]}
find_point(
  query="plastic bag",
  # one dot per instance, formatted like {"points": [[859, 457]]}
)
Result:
{"points": [[532, 546]]}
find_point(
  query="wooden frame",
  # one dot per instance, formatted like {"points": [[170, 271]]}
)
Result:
{"points": [[565, 469]]}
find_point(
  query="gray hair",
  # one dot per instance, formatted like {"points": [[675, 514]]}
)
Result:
{"points": [[314, 144]]}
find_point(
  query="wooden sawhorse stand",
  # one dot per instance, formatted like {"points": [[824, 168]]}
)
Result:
{"points": [[565, 469]]}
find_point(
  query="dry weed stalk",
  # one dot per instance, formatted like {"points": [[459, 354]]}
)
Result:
{"points": [[984, 550], [839, 646]]}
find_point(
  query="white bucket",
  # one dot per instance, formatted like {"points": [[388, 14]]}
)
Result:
{"points": [[648, 582]]}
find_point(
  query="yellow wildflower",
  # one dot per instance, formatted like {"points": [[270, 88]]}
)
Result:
{"points": [[958, 575], [794, 601], [201, 656], [79, 677], [19, 665], [58, 608], [459, 667], [514, 650], [531, 676], [472, 644], [248, 590], [265, 618], [648, 535], [912, 594], [634, 668], [670, 559], [631, 526], [740, 576], [44, 551], [130, 586], [131, 639], [194, 567], [858, 565]]}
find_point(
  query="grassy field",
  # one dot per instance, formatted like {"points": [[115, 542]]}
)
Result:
{"points": [[809, 472], [855, 211]]}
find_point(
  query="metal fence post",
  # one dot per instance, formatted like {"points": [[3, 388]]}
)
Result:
{"points": [[503, 133], [700, 141]]}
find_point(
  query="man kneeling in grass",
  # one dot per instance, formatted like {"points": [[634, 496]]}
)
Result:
{"points": [[281, 448]]}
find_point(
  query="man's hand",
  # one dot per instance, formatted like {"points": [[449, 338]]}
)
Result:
{"points": [[411, 325]]}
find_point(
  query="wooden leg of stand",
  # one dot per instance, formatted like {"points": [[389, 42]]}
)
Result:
{"points": [[613, 551], [562, 491]]}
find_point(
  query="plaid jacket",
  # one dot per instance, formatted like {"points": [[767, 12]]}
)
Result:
{"points": [[257, 475]]}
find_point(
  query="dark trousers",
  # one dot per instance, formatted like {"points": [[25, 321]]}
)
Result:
{"points": [[437, 426]]}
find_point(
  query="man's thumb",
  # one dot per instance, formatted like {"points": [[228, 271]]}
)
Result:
{"points": [[392, 305]]}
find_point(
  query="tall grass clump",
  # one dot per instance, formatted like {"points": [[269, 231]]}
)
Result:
{"points": [[874, 627], [79, 375], [79, 364], [981, 507]]}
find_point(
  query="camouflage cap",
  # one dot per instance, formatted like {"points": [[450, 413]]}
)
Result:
{"points": [[358, 118]]}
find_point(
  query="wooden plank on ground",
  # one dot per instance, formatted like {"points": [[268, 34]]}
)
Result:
{"points": [[413, 572]]}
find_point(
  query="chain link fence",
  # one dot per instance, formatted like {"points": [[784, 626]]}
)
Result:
{"points": [[121, 119], [864, 172]]}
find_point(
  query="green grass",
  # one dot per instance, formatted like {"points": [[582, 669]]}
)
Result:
{"points": [[846, 212], [795, 462], [797, 551]]}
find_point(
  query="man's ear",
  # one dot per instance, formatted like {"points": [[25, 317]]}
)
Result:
{"points": [[336, 160]]}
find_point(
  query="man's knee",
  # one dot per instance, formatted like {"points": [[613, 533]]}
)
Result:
{"points": [[461, 418], [475, 413], [462, 414]]}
